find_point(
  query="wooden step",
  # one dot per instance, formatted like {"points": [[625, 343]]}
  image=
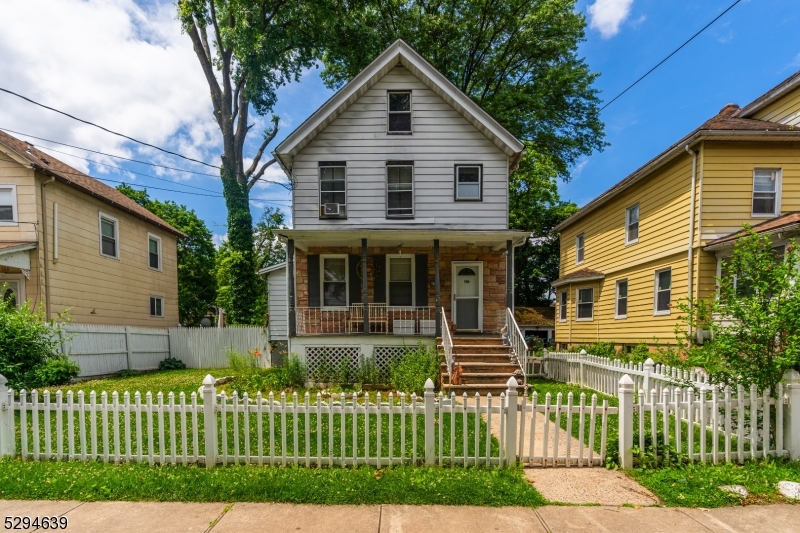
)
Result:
{"points": [[492, 368], [481, 358], [482, 389], [479, 341], [496, 378], [468, 349]]}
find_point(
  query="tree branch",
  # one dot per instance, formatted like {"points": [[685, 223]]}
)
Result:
{"points": [[200, 45], [261, 173], [267, 139]]}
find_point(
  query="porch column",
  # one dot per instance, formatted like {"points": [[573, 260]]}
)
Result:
{"points": [[510, 275], [436, 285], [364, 291], [290, 288]]}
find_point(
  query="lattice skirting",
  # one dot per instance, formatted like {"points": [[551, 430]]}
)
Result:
{"points": [[385, 355], [324, 362]]}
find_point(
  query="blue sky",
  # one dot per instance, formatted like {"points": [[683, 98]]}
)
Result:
{"points": [[157, 92]]}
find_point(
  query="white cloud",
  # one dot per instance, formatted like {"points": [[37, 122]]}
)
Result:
{"points": [[606, 16], [219, 240]]}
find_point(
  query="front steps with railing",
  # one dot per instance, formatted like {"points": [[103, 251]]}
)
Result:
{"points": [[486, 364]]}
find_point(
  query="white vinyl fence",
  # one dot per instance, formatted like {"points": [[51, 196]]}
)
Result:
{"points": [[102, 350]]}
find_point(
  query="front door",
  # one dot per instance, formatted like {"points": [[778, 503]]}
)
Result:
{"points": [[468, 296]]}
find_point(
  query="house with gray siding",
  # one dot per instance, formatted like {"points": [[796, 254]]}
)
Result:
{"points": [[400, 218]]}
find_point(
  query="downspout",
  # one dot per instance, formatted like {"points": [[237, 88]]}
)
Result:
{"points": [[690, 253], [44, 249]]}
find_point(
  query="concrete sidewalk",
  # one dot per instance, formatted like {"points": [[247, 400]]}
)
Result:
{"points": [[124, 517]]}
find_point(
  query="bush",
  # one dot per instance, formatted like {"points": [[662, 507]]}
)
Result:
{"points": [[295, 371], [127, 373], [250, 378], [56, 371], [409, 373], [171, 363], [27, 342], [368, 372], [601, 349]]}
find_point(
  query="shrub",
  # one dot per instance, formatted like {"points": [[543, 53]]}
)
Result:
{"points": [[127, 373], [368, 372], [295, 371], [409, 373], [601, 349], [249, 377], [57, 371], [171, 363]]}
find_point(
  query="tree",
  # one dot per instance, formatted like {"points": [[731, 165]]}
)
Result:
{"points": [[755, 320], [255, 47], [518, 60], [197, 289], [268, 249]]}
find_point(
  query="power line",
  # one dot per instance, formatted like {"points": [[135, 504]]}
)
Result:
{"points": [[704, 28], [106, 129]]}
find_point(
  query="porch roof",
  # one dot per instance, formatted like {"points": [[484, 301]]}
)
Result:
{"points": [[393, 237]]}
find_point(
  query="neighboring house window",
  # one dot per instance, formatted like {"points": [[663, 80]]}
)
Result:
{"points": [[334, 281], [401, 281], [333, 189], [585, 306], [621, 310], [663, 291], [400, 112], [579, 249], [400, 189], [154, 252], [562, 310], [766, 188], [13, 291], [8, 204], [156, 306], [469, 182], [632, 224], [109, 236]]}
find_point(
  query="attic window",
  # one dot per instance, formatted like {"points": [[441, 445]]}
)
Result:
{"points": [[400, 112]]}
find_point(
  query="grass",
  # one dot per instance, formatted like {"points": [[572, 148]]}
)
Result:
{"points": [[177, 381], [697, 485], [91, 481]]}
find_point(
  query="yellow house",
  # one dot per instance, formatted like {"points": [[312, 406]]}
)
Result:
{"points": [[656, 237], [68, 241]]}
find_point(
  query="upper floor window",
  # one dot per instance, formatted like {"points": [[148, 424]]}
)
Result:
{"points": [[401, 281], [400, 189], [579, 248], [400, 112], [156, 306], [8, 204], [332, 189], [585, 306], [663, 291], [621, 308], [766, 192], [562, 308], [632, 224], [109, 236], [154, 252], [334, 280], [469, 182]]}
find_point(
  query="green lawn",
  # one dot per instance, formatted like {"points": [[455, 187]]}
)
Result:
{"points": [[177, 381]]}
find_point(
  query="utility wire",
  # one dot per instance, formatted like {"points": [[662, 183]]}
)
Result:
{"points": [[704, 28], [106, 129]]}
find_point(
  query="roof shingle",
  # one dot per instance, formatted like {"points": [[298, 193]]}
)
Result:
{"points": [[789, 219]]}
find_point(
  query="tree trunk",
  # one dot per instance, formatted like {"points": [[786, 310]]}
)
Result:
{"points": [[240, 238]]}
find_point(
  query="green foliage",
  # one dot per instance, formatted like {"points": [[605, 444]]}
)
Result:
{"points": [[171, 363], [409, 373], [229, 267], [640, 353], [251, 378], [127, 373], [368, 372], [56, 371], [269, 250], [600, 349], [296, 371], [27, 342], [196, 281], [177, 381]]}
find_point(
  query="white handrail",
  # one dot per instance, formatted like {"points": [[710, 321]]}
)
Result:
{"points": [[518, 344], [447, 344]]}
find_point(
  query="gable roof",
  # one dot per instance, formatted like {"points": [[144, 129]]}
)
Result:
{"points": [[535, 316], [768, 97], [583, 274], [76, 179], [398, 53], [787, 222], [273, 268], [729, 124]]}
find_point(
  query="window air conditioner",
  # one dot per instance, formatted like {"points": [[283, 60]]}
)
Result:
{"points": [[332, 209]]}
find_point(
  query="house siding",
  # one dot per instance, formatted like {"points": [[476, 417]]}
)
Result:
{"points": [[785, 109], [278, 305], [441, 138]]}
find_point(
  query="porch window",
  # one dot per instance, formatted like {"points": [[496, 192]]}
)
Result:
{"points": [[154, 252], [469, 182], [12, 291], [8, 204], [621, 310], [156, 306], [580, 241], [109, 236], [632, 224], [663, 291], [400, 112], [585, 304], [334, 281], [562, 309], [333, 189], [400, 189], [766, 185], [400, 279]]}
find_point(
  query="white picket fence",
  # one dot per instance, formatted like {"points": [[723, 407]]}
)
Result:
{"points": [[102, 350]]}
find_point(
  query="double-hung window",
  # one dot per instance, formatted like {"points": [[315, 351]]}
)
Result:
{"points": [[400, 112], [154, 252], [401, 281], [585, 306], [580, 242], [621, 306], [562, 308], [332, 189], [766, 192], [400, 189], [632, 224], [334, 281], [469, 182], [156, 306], [8, 204], [109, 236], [663, 291]]}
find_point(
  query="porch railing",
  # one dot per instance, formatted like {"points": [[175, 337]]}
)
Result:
{"points": [[447, 345], [381, 319], [518, 344]]}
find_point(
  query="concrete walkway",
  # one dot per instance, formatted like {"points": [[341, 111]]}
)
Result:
{"points": [[124, 517]]}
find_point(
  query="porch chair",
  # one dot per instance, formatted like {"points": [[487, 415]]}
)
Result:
{"points": [[378, 317]]}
